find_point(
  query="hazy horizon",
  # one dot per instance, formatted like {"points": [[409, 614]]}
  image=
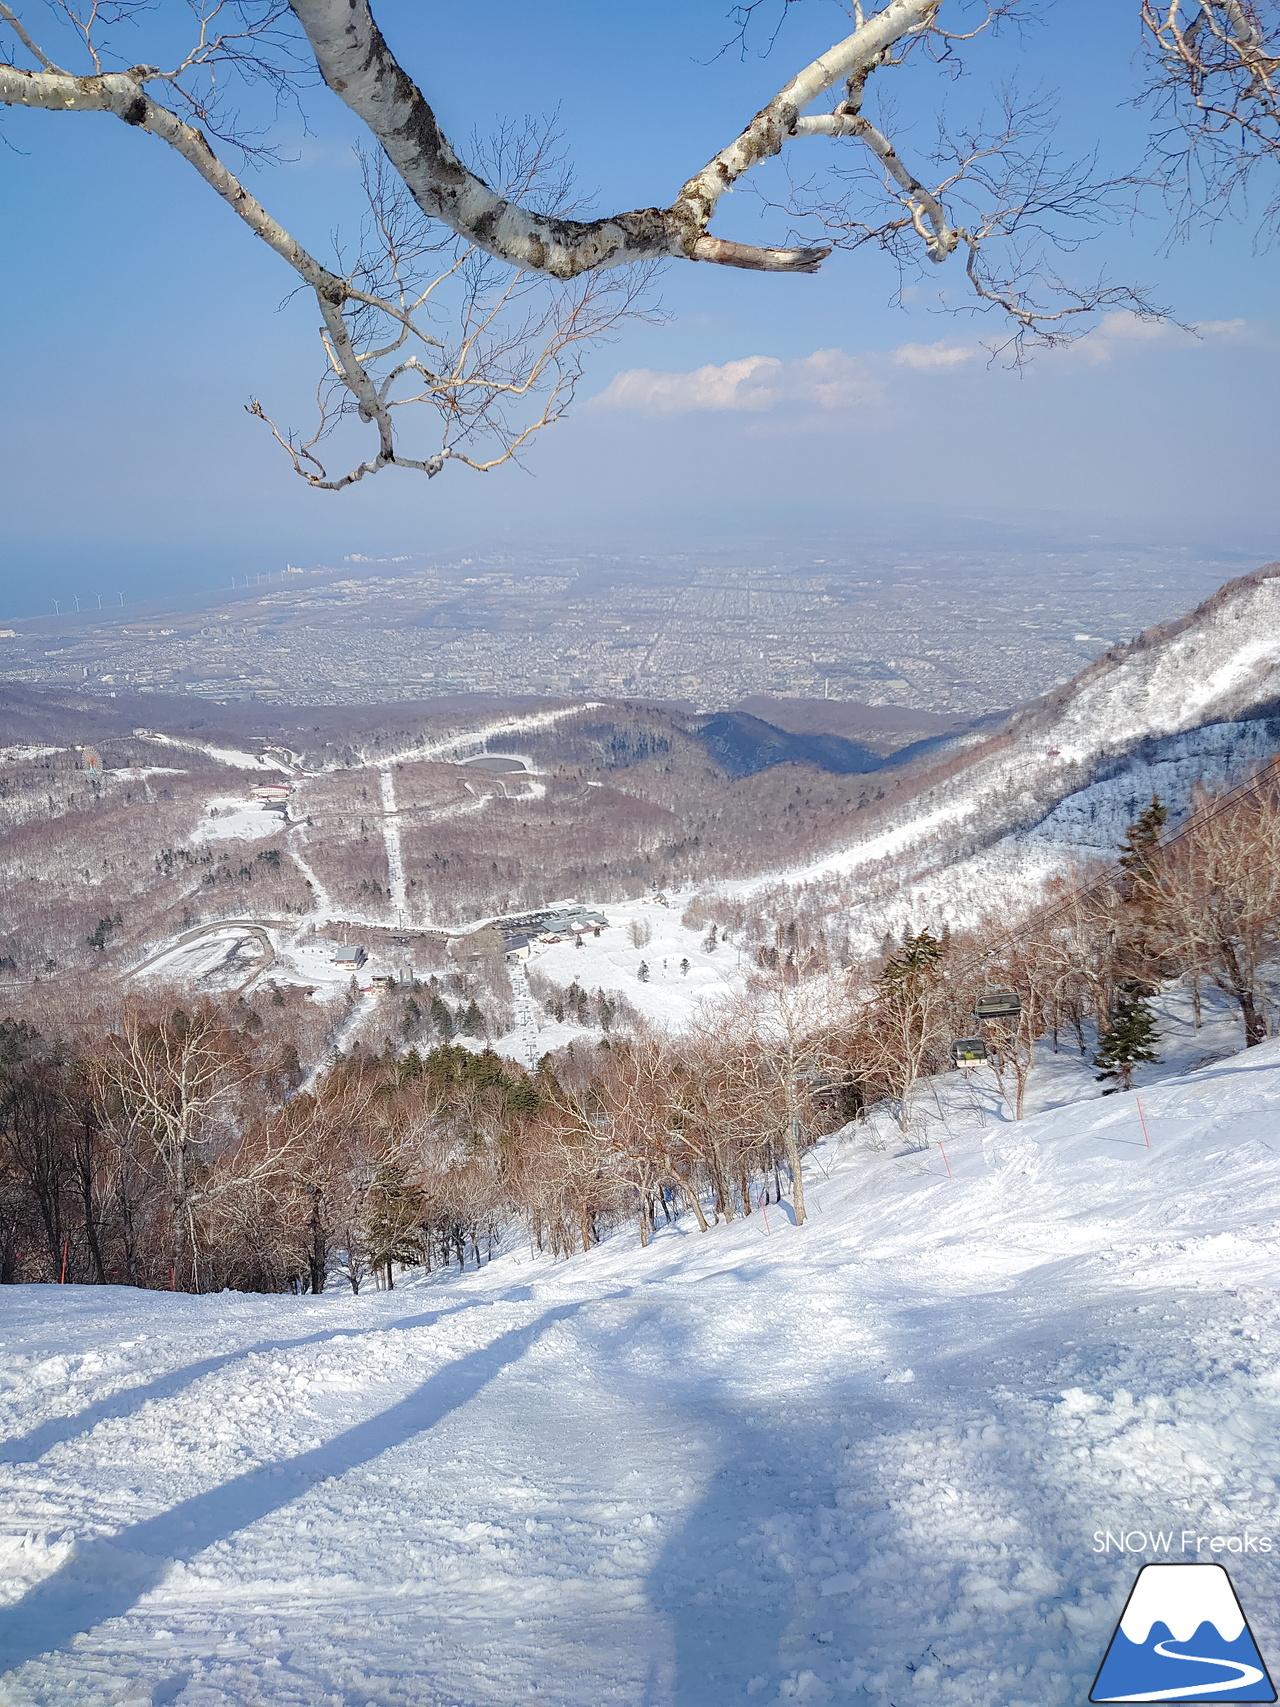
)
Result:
{"points": [[759, 407]]}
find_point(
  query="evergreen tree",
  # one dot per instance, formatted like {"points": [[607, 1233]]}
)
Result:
{"points": [[103, 930], [441, 1018], [642, 972], [904, 973], [1142, 836], [1130, 1041], [471, 1024]]}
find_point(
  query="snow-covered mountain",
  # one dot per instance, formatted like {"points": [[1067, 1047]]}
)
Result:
{"points": [[1191, 701]]}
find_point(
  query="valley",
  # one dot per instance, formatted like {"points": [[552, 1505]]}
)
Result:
{"points": [[422, 835]]}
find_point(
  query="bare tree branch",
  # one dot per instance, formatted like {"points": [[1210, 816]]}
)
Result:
{"points": [[418, 318], [1214, 91]]}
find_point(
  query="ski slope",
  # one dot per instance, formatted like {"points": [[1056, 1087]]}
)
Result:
{"points": [[862, 1461]]}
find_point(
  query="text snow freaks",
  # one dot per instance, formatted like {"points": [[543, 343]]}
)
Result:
{"points": [[1179, 1541]]}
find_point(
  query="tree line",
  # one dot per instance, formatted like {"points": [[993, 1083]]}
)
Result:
{"points": [[185, 1145]]}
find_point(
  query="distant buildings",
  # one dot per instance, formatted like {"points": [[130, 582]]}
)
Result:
{"points": [[350, 958], [573, 922], [556, 927]]}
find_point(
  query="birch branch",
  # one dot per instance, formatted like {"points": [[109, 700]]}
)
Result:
{"points": [[360, 68]]}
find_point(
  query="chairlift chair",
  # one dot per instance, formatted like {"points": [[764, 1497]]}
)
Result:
{"points": [[966, 1050], [997, 1004]]}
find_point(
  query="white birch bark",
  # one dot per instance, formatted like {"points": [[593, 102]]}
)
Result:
{"points": [[362, 71]]}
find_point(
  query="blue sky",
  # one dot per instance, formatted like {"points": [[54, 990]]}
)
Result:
{"points": [[141, 316]]}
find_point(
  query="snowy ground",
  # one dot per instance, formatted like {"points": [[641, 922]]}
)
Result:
{"points": [[611, 961], [861, 1461], [230, 816]]}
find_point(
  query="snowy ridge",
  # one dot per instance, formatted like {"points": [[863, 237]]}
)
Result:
{"points": [[1220, 666], [863, 1461], [1088, 826]]}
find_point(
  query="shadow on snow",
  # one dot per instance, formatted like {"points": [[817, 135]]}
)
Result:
{"points": [[103, 1579]]}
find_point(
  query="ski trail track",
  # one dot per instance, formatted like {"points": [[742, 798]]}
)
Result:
{"points": [[337, 1043], [399, 889], [391, 836], [477, 738], [861, 1461]]}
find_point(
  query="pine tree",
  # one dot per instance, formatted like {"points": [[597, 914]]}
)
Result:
{"points": [[1142, 836], [904, 973], [1130, 1041], [441, 1018], [393, 1216], [642, 972]]}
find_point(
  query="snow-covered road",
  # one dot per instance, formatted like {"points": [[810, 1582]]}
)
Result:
{"points": [[863, 1461]]}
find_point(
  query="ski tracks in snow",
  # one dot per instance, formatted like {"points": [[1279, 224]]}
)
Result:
{"points": [[476, 1493], [859, 1462], [391, 836]]}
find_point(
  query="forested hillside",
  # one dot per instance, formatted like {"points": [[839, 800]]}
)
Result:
{"points": [[250, 1141]]}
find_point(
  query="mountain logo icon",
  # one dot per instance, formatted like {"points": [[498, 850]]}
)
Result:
{"points": [[1182, 1637]]}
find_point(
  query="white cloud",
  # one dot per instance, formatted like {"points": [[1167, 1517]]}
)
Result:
{"points": [[1120, 330], [745, 384], [832, 380], [940, 355], [828, 379]]}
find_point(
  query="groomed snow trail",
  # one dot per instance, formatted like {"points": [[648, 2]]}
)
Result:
{"points": [[455, 748], [391, 836], [861, 1461]]}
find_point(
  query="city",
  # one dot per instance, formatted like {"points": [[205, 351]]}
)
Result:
{"points": [[957, 633]]}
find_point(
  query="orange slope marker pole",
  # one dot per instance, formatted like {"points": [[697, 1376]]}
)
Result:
{"points": [[950, 1175], [1142, 1117]]}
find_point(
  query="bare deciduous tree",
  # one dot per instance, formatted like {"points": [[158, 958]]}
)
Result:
{"points": [[779, 1043], [167, 1083], [1214, 92], [903, 1032], [475, 290], [1212, 900]]}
